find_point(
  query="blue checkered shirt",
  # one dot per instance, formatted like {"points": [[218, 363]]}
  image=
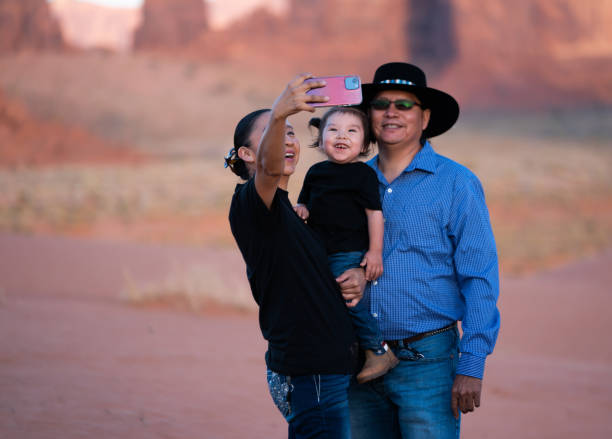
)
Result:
{"points": [[439, 257]]}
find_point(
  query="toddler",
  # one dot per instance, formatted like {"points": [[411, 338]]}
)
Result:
{"points": [[340, 201]]}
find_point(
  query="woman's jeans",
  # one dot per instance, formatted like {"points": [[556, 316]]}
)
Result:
{"points": [[413, 400], [366, 327], [315, 406]]}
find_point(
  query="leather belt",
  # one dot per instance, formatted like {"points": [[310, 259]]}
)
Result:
{"points": [[406, 341]]}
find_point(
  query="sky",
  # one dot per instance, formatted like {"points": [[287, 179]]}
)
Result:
{"points": [[221, 11], [117, 3]]}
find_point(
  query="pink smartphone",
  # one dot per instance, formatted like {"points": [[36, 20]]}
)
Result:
{"points": [[342, 90]]}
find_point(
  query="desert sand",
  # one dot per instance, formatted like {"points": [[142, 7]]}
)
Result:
{"points": [[78, 361]]}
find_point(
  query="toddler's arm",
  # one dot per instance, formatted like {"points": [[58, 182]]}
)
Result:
{"points": [[302, 211], [372, 260]]}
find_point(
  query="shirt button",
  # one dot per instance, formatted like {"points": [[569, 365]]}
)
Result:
{"points": [[375, 282], [389, 190], [374, 314]]}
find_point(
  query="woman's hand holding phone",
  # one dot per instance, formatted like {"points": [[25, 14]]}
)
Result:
{"points": [[295, 97]]}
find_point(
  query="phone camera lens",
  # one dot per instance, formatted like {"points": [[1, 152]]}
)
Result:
{"points": [[351, 82]]}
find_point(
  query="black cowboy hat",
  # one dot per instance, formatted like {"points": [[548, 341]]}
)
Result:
{"points": [[408, 77]]}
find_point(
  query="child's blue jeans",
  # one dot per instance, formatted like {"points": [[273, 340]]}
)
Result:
{"points": [[366, 327]]}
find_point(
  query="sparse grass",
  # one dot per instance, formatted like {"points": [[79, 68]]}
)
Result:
{"points": [[550, 201], [62, 198], [191, 288], [534, 233]]}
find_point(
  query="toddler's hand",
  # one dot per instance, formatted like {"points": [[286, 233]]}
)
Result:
{"points": [[301, 211], [373, 265]]}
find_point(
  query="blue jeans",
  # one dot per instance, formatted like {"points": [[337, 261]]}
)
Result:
{"points": [[315, 406], [413, 400], [366, 327]]}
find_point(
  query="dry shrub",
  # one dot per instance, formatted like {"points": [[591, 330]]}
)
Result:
{"points": [[193, 288], [61, 198]]}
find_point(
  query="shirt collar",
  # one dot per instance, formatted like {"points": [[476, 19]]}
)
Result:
{"points": [[424, 160]]}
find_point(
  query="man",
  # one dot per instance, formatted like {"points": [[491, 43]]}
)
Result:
{"points": [[440, 267]]}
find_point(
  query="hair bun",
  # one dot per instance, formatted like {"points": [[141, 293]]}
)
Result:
{"points": [[315, 122]]}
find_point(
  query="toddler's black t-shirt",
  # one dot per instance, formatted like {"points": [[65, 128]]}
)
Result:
{"points": [[336, 196]]}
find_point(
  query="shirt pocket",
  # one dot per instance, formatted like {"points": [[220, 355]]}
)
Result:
{"points": [[419, 228]]}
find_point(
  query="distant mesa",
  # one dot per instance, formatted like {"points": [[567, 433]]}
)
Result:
{"points": [[170, 24], [534, 53], [526, 53], [28, 141], [28, 24]]}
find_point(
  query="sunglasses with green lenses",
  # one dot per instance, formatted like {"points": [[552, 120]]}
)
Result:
{"points": [[400, 104]]}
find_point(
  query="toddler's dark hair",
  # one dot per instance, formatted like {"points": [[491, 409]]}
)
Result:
{"points": [[319, 124], [241, 138]]}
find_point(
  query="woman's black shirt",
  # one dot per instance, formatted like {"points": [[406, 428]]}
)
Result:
{"points": [[301, 311]]}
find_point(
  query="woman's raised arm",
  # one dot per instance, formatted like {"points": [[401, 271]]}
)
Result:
{"points": [[271, 151]]}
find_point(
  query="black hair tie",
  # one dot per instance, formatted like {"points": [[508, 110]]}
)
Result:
{"points": [[231, 158], [315, 122]]}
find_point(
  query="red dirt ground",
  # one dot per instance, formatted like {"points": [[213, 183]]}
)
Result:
{"points": [[76, 361]]}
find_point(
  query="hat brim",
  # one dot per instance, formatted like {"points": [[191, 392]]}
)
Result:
{"points": [[444, 108]]}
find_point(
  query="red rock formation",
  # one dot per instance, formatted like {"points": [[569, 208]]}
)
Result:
{"points": [[26, 141], [532, 53], [527, 53], [349, 17], [326, 37], [170, 24], [431, 34], [28, 24]]}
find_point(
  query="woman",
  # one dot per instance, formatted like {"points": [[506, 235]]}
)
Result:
{"points": [[311, 346]]}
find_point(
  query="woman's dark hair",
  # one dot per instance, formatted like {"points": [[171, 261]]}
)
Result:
{"points": [[241, 138], [319, 124]]}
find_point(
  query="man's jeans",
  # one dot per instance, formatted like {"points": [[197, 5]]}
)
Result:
{"points": [[365, 326], [315, 406], [413, 400]]}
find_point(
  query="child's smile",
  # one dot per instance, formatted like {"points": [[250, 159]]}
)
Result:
{"points": [[343, 138]]}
